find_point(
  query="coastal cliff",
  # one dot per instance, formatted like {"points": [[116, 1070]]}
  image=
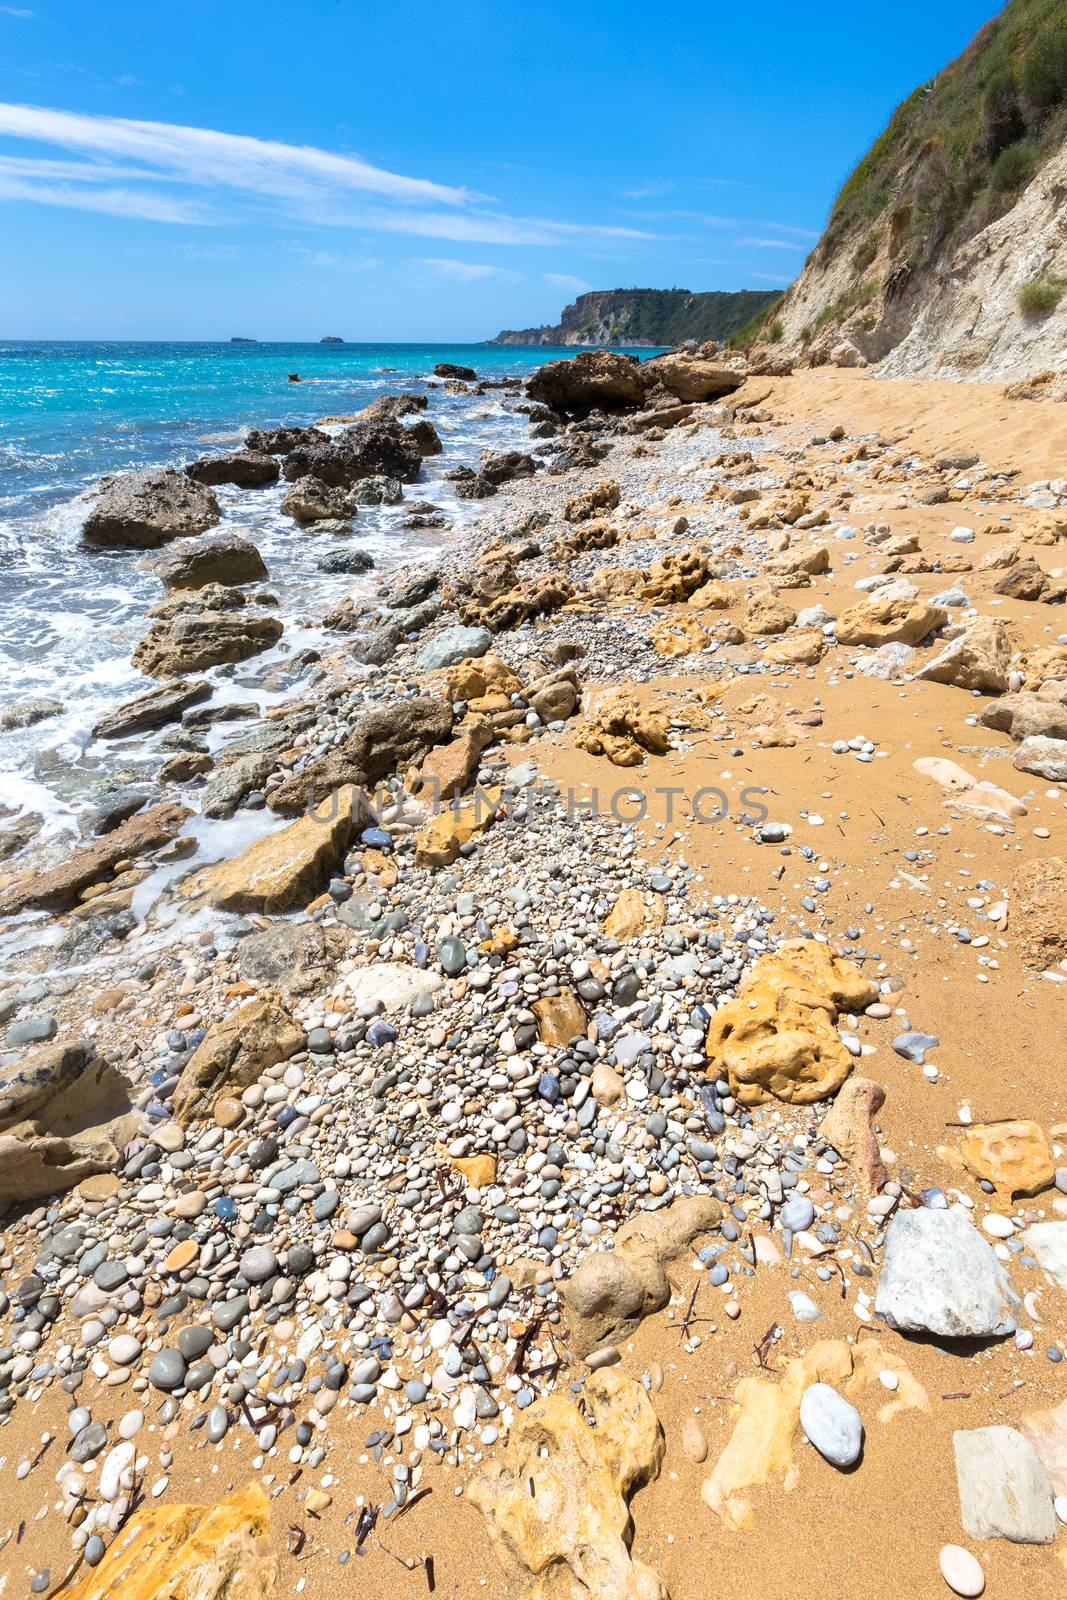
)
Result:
{"points": [[652, 317]]}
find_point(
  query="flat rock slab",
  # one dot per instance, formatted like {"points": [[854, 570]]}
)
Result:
{"points": [[61, 887], [391, 984], [940, 1276], [1048, 1242], [287, 868], [165, 703], [1005, 1491]]}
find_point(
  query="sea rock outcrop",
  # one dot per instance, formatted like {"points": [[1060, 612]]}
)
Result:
{"points": [[193, 642], [690, 378], [365, 450], [595, 379], [167, 702], [65, 1114], [284, 869], [778, 1038], [223, 558], [59, 887], [555, 1501], [249, 469], [143, 510]]}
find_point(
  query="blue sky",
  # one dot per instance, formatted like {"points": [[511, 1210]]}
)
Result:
{"points": [[435, 169]]}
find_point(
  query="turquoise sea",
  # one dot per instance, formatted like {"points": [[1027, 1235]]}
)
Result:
{"points": [[69, 413]]}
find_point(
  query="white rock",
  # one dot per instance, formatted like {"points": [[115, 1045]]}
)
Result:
{"points": [[832, 1424], [961, 1571]]}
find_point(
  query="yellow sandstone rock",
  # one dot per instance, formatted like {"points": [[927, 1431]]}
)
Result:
{"points": [[634, 913], [235, 1052], [779, 1036], [560, 1018], [287, 868], [477, 1172], [437, 843], [188, 1552], [1013, 1156], [619, 727], [682, 638], [555, 1501]]}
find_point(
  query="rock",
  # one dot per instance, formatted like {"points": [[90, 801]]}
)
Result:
{"points": [[560, 1018], [778, 1037], [450, 369], [618, 726], [673, 578], [761, 1447], [913, 1045], [978, 659], [847, 1129], [376, 491], [694, 1444], [65, 1114], [447, 770], [1047, 1432], [345, 561], [1039, 911], [1048, 1242], [189, 1552], [940, 1276], [365, 450], [1046, 758], [234, 1053], [555, 1500], [689, 378], [607, 1086], [831, 1424], [845, 354], [477, 1172], [249, 469], [223, 558], [1013, 1156], [164, 703], [1025, 714], [961, 1571], [439, 841], [391, 985], [878, 620], [143, 510], [1004, 1489], [28, 713], [308, 499], [1025, 581], [60, 887], [611, 1292], [766, 613], [223, 793], [192, 643], [634, 913], [280, 441], [595, 502], [596, 379], [295, 958], [804, 649], [451, 646], [392, 735], [285, 869]]}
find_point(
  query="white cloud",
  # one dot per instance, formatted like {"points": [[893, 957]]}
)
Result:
{"points": [[464, 271], [16, 11], [771, 244], [281, 182], [771, 277], [564, 280]]}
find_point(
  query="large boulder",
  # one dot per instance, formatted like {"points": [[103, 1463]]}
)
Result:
{"points": [[689, 378], [1026, 714], [1045, 758], [65, 1114], [143, 510], [286, 869], [555, 1500], [61, 886], [978, 659], [217, 558], [154, 709], [879, 620], [234, 1053], [940, 1276], [596, 379], [249, 469], [308, 499], [366, 450], [217, 1551], [280, 441], [192, 643]]}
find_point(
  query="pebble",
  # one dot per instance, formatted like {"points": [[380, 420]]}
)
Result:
{"points": [[961, 1571], [831, 1424]]}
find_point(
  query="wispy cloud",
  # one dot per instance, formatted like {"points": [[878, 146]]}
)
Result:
{"points": [[16, 11], [771, 244], [771, 277], [278, 181], [464, 271], [564, 280]]}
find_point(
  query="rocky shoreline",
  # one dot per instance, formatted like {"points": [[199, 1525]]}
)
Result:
{"points": [[404, 1111]]}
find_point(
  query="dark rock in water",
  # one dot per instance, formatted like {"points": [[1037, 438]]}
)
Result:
{"points": [[449, 369], [595, 379], [279, 441], [376, 491], [426, 437], [413, 591], [391, 407], [312, 500], [498, 469], [337, 561], [225, 791], [193, 643], [27, 713], [143, 510], [158, 706], [223, 558], [249, 469], [65, 1114], [365, 450], [115, 808]]}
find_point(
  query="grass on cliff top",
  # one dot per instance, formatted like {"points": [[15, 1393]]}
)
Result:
{"points": [[967, 141]]}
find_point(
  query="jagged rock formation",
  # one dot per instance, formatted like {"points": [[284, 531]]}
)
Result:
{"points": [[946, 250], [645, 317]]}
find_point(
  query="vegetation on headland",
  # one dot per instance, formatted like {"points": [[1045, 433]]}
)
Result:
{"points": [[1041, 296], [648, 317]]}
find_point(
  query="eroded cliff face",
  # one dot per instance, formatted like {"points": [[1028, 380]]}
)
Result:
{"points": [[644, 317], [959, 315]]}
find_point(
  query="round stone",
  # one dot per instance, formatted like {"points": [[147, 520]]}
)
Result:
{"points": [[797, 1214], [259, 1264], [182, 1256], [124, 1350], [961, 1571], [831, 1424], [194, 1341], [167, 1370]]}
